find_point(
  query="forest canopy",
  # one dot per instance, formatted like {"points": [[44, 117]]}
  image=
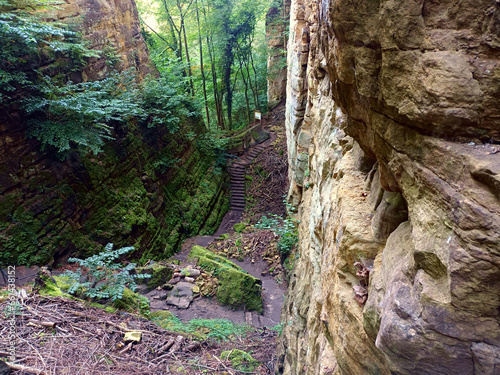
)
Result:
{"points": [[221, 47]]}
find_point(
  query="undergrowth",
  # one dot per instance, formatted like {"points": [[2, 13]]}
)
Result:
{"points": [[214, 329]]}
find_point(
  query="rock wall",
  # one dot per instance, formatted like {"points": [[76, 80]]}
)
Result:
{"points": [[277, 20], [110, 26], [393, 130], [149, 188]]}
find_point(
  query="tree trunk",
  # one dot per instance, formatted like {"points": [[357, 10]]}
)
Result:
{"points": [[201, 67], [246, 89], [190, 72]]}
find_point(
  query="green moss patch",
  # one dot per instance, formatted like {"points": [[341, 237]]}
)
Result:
{"points": [[236, 287], [132, 302], [160, 274], [240, 360], [240, 227]]}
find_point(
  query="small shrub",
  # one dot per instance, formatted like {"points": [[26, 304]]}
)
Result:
{"points": [[285, 228], [105, 279]]}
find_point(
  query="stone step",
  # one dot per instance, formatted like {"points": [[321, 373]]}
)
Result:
{"points": [[238, 167], [237, 200]]}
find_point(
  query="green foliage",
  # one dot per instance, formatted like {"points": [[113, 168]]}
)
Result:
{"points": [[24, 36], [212, 329], [164, 99], [105, 279], [240, 360], [278, 328], [80, 113], [285, 228]]}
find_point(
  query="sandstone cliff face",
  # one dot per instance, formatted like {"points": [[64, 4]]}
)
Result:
{"points": [[149, 188], [392, 121], [277, 20], [111, 26]]}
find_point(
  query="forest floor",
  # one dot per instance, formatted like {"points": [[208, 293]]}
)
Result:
{"points": [[56, 335]]}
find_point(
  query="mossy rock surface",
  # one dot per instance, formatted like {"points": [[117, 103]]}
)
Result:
{"points": [[49, 287], [132, 302], [160, 274], [240, 227], [236, 287]]}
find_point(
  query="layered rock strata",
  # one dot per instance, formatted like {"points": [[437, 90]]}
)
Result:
{"points": [[393, 130]]}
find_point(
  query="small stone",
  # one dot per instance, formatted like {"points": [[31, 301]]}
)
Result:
{"points": [[132, 336], [175, 280], [177, 274], [191, 272], [189, 279]]}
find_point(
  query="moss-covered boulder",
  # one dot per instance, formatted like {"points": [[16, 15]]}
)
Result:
{"points": [[160, 274], [47, 285], [236, 287], [132, 302]]}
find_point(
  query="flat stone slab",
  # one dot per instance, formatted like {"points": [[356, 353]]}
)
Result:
{"points": [[181, 296]]}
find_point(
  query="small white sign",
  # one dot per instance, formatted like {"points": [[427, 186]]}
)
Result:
{"points": [[258, 115]]}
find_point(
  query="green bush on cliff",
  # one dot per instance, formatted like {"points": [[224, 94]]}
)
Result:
{"points": [[80, 113], [23, 36]]}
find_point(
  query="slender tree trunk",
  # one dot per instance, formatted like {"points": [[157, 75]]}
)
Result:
{"points": [[190, 72], [202, 67], [217, 96], [173, 31], [251, 85], [246, 88], [255, 75]]}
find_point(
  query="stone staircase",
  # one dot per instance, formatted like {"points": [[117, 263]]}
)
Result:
{"points": [[237, 174]]}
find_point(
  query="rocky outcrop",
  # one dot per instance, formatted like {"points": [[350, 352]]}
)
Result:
{"points": [[393, 125], [277, 20], [109, 26]]}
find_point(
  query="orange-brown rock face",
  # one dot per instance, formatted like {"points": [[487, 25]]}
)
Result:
{"points": [[394, 130], [277, 20], [111, 26]]}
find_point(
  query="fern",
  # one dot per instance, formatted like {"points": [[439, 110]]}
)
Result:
{"points": [[105, 279]]}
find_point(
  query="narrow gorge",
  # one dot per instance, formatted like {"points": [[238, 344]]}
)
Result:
{"points": [[166, 126]]}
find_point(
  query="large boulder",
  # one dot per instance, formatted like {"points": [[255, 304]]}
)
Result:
{"points": [[236, 287]]}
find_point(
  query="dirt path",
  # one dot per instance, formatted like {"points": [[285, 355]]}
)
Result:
{"points": [[272, 292]]}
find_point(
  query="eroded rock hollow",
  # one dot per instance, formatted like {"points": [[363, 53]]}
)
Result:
{"points": [[393, 129]]}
